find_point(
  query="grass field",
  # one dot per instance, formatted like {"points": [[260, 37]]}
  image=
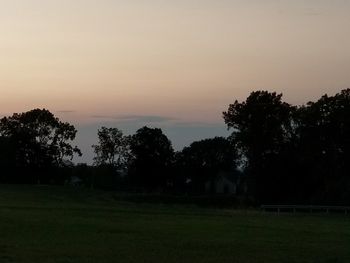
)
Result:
{"points": [[58, 224]]}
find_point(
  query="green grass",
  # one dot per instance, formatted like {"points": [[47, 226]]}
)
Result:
{"points": [[63, 225]]}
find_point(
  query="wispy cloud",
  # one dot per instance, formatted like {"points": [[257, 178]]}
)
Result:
{"points": [[136, 118], [308, 11], [196, 124], [66, 111], [312, 12]]}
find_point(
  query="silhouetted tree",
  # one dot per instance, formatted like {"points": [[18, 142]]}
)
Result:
{"points": [[112, 156], [261, 125], [112, 148], [324, 148], [41, 141], [151, 157]]}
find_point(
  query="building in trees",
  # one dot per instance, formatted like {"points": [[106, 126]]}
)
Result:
{"points": [[207, 163]]}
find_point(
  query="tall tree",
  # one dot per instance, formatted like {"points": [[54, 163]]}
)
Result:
{"points": [[324, 147], [260, 126], [112, 148], [152, 156]]}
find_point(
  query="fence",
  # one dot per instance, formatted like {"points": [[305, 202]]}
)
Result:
{"points": [[305, 208]]}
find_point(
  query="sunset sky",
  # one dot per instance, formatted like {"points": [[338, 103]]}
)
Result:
{"points": [[170, 64]]}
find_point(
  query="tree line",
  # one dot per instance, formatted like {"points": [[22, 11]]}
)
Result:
{"points": [[276, 153]]}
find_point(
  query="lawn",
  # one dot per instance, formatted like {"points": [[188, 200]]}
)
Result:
{"points": [[63, 225]]}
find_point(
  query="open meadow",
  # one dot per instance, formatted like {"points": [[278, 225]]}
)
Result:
{"points": [[66, 225]]}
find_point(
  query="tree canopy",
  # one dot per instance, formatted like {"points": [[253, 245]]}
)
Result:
{"points": [[279, 153], [152, 155], [260, 125], [112, 148], [39, 138]]}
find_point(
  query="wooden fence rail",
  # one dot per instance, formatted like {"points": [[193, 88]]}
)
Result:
{"points": [[305, 208]]}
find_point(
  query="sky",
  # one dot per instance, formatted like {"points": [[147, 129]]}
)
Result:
{"points": [[170, 64]]}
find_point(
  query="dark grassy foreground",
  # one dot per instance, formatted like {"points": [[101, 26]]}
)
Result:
{"points": [[57, 224]]}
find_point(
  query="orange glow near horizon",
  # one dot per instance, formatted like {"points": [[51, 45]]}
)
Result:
{"points": [[182, 59]]}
